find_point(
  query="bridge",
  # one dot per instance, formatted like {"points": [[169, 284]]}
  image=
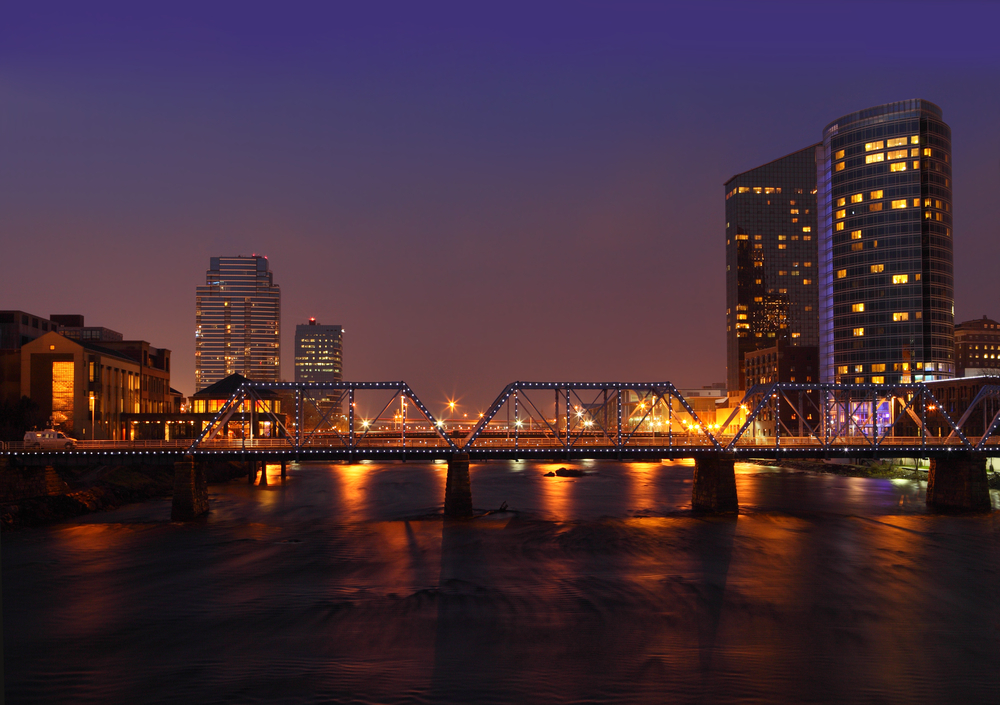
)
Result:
{"points": [[353, 421]]}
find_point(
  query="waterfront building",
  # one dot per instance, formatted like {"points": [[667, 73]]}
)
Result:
{"points": [[886, 273], [977, 348], [237, 322], [783, 363], [16, 329], [84, 389], [772, 259]]}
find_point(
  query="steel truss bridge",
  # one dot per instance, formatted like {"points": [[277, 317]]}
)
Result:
{"points": [[581, 420]]}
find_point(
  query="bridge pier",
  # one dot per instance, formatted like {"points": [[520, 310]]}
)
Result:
{"points": [[284, 464], [263, 473], [190, 490], [958, 482], [714, 488], [458, 488]]}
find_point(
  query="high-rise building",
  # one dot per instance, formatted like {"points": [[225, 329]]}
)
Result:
{"points": [[886, 273], [318, 353], [772, 266], [238, 322]]}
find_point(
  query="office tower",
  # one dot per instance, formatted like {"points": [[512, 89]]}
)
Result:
{"points": [[238, 319], [772, 264], [887, 301], [318, 353]]}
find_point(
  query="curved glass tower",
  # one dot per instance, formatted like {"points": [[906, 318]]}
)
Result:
{"points": [[886, 272]]}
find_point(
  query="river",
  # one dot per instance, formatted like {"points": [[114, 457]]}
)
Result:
{"points": [[341, 585]]}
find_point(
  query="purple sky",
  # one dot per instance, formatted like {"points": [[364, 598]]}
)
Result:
{"points": [[532, 191]]}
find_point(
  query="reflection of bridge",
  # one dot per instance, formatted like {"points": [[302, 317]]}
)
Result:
{"points": [[612, 420]]}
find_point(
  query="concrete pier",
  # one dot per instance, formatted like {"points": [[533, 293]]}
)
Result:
{"points": [[284, 465], [458, 488], [190, 490], [958, 482], [714, 488]]}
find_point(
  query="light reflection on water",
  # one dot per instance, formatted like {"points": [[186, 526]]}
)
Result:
{"points": [[341, 584]]}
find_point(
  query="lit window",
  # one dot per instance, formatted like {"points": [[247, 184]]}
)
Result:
{"points": [[901, 316], [896, 142], [916, 165], [744, 189], [878, 380], [900, 278], [856, 198], [782, 246], [810, 237], [807, 264], [855, 234], [839, 166], [879, 367], [782, 272], [874, 206], [796, 335], [898, 154], [898, 166], [927, 151], [916, 277], [807, 229], [875, 194], [840, 202], [840, 226], [858, 308], [839, 154], [901, 203], [872, 158], [916, 202], [807, 282], [782, 237], [758, 299], [869, 146], [842, 370], [857, 246], [841, 213], [915, 152], [794, 211], [757, 189], [859, 332], [876, 268], [742, 237], [915, 139], [841, 273], [758, 246]]}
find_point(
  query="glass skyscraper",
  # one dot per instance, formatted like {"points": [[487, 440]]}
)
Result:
{"points": [[238, 319], [772, 265], [887, 301]]}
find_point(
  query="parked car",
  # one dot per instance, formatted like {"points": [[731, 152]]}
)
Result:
{"points": [[49, 438]]}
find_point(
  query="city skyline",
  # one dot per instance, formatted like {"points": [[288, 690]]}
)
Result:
{"points": [[470, 197]]}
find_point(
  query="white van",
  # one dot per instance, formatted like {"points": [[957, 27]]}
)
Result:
{"points": [[48, 438]]}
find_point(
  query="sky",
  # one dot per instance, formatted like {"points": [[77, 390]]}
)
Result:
{"points": [[478, 192]]}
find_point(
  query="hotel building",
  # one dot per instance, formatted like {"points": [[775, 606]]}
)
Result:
{"points": [[886, 274]]}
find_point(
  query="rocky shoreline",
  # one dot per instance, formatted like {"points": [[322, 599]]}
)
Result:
{"points": [[101, 488]]}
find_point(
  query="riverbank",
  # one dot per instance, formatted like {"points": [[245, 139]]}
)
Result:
{"points": [[99, 488]]}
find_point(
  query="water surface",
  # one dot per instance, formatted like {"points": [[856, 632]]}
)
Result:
{"points": [[341, 585]]}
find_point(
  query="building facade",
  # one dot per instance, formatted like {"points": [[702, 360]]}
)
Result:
{"points": [[72, 326], [318, 353], [887, 299], [238, 322], [84, 389], [977, 348], [772, 263]]}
